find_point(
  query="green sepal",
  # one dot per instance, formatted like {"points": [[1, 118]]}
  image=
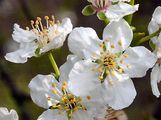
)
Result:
{"points": [[37, 52], [152, 45], [101, 16], [88, 10]]}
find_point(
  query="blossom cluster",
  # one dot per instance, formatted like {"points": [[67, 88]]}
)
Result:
{"points": [[98, 73]]}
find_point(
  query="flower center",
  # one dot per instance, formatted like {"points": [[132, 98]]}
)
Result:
{"points": [[107, 63], [45, 33], [67, 102]]}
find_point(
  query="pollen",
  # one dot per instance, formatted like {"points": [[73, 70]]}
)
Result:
{"points": [[54, 91]]}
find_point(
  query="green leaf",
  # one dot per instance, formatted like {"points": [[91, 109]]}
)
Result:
{"points": [[88, 10], [152, 45], [37, 52]]}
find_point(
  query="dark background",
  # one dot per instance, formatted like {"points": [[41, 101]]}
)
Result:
{"points": [[14, 78]]}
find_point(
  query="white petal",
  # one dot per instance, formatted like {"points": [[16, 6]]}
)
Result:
{"points": [[67, 66], [155, 23], [82, 79], [57, 42], [52, 115], [157, 15], [8, 115], [82, 115], [138, 61], [120, 35], [153, 27], [118, 11], [83, 40], [21, 35], [41, 88], [120, 0], [26, 50], [66, 26], [155, 79], [120, 93]]}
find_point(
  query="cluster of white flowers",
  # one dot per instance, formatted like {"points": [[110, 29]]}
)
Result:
{"points": [[98, 72]]}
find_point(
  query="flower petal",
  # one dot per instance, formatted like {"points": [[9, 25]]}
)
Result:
{"points": [[26, 50], [155, 23], [118, 34], [57, 42], [155, 79], [67, 66], [83, 41], [41, 88], [8, 115], [82, 79], [153, 27], [66, 26], [82, 115], [21, 35], [52, 115], [120, 93], [118, 11], [136, 61]]}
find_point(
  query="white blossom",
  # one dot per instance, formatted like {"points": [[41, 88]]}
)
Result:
{"points": [[109, 63], [114, 12], [60, 103], [39, 39], [154, 26], [8, 115]]}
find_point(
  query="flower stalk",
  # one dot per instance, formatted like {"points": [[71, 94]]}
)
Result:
{"points": [[145, 39], [53, 63], [129, 17]]}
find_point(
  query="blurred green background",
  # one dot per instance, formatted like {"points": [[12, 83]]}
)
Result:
{"points": [[145, 105]]}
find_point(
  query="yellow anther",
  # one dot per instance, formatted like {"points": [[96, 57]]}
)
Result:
{"points": [[65, 83], [46, 17], [89, 97], [108, 72], [37, 22], [38, 18], [63, 87], [27, 28], [53, 85], [101, 77], [107, 40], [100, 69], [54, 91], [58, 22], [112, 46], [121, 61], [127, 65], [32, 22], [125, 55], [36, 26], [120, 43], [113, 73], [101, 44], [120, 70], [48, 98]]}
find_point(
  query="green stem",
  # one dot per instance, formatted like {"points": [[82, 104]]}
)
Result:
{"points": [[144, 39], [129, 17], [52, 60]]}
